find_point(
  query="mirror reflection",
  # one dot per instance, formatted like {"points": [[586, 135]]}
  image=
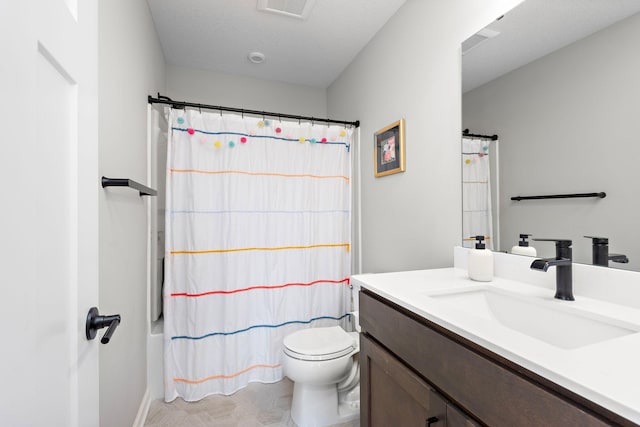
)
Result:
{"points": [[558, 83]]}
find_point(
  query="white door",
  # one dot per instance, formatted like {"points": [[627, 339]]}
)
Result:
{"points": [[48, 214]]}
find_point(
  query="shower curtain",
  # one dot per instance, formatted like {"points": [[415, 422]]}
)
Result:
{"points": [[257, 245], [476, 191]]}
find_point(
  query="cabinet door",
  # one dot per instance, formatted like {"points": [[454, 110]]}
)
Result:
{"points": [[392, 394], [457, 418]]}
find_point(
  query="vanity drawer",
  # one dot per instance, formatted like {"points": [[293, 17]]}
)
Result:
{"points": [[493, 390]]}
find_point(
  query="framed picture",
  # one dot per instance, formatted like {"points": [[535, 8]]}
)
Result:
{"points": [[388, 152]]}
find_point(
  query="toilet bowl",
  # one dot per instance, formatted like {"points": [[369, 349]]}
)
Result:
{"points": [[323, 365]]}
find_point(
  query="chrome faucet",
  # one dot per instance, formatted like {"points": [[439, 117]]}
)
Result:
{"points": [[600, 252], [563, 264]]}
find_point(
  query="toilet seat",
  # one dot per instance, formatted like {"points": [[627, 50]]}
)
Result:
{"points": [[319, 344]]}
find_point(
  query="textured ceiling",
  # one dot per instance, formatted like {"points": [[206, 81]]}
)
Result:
{"points": [[536, 28], [218, 35]]}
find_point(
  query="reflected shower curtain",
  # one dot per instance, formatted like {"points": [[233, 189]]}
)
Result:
{"points": [[257, 245], [476, 191]]}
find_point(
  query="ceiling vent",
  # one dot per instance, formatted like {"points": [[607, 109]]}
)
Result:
{"points": [[292, 8], [479, 37]]}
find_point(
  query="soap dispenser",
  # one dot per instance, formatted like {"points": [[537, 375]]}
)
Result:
{"points": [[480, 263], [523, 248]]}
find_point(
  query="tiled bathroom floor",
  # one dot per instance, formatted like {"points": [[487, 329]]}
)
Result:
{"points": [[256, 405]]}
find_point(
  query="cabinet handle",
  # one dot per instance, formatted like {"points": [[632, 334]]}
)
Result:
{"points": [[432, 420]]}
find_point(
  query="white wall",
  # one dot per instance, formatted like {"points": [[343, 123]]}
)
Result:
{"points": [[214, 88], [411, 70], [131, 66], [568, 124]]}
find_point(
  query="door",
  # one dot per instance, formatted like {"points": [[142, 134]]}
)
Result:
{"points": [[49, 216]]}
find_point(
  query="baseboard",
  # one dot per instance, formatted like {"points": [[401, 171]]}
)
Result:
{"points": [[143, 411]]}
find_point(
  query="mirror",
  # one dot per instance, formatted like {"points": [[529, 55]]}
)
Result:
{"points": [[559, 83]]}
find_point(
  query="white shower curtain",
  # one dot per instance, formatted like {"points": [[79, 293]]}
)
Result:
{"points": [[257, 245], [476, 191]]}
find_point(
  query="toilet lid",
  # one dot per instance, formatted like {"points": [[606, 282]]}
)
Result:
{"points": [[318, 343]]}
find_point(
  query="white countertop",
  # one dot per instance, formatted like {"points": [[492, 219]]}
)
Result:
{"points": [[607, 372]]}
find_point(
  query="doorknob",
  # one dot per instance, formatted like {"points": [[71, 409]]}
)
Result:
{"points": [[95, 322]]}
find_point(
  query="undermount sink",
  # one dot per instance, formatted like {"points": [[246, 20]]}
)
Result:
{"points": [[544, 319]]}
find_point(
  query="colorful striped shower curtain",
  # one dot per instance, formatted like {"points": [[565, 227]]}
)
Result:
{"points": [[257, 245], [477, 219]]}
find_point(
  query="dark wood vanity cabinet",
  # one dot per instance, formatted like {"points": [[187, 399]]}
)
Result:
{"points": [[416, 373]]}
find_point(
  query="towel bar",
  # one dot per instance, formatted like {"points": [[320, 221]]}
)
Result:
{"points": [[600, 195], [126, 182]]}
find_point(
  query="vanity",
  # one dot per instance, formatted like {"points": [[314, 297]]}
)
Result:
{"points": [[438, 349]]}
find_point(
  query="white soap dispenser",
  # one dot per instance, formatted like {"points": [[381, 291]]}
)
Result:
{"points": [[480, 263], [523, 248]]}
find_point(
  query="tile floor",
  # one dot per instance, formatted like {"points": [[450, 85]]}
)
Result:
{"points": [[256, 405]]}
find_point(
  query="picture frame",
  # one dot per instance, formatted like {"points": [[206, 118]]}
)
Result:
{"points": [[388, 153]]}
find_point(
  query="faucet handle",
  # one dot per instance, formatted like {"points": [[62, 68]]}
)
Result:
{"points": [[598, 240], [564, 243], [563, 247]]}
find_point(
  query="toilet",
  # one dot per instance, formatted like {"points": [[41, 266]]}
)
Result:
{"points": [[323, 365]]}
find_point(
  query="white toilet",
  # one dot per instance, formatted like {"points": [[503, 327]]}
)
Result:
{"points": [[323, 364]]}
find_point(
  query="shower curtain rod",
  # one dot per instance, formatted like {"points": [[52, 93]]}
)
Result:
{"points": [[473, 135], [180, 104]]}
